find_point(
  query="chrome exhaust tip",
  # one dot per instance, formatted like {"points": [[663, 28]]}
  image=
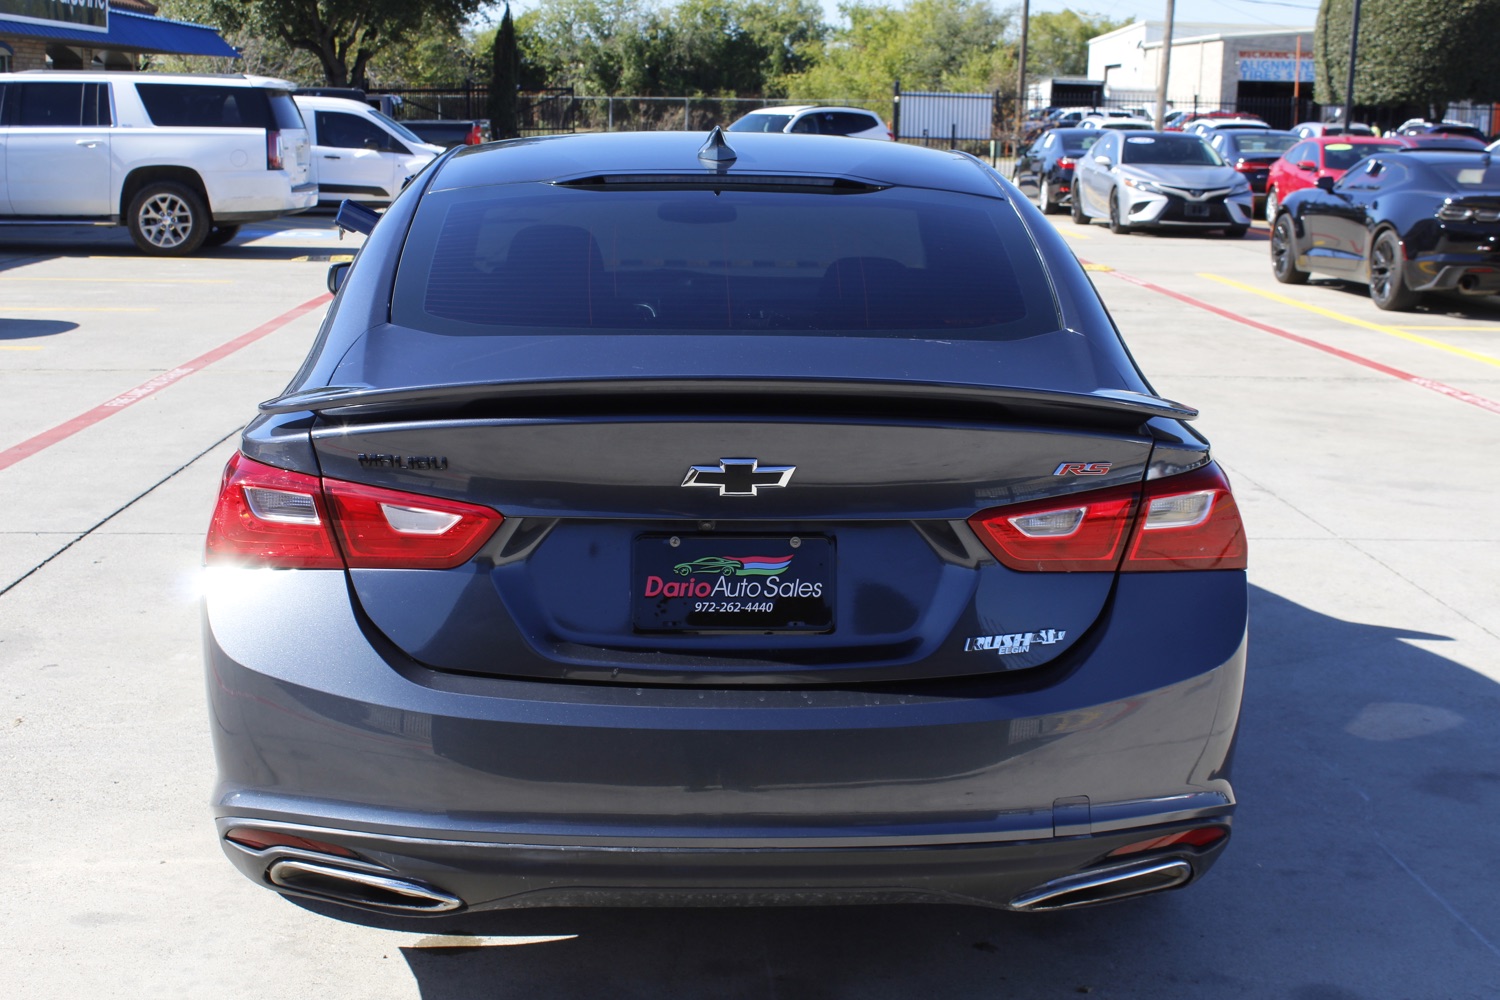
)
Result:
{"points": [[343, 885], [1105, 885]]}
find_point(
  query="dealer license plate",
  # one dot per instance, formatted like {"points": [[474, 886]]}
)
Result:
{"points": [[728, 583]]}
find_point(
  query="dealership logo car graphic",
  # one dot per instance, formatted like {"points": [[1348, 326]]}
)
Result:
{"points": [[739, 477], [1082, 469], [1014, 642], [735, 565]]}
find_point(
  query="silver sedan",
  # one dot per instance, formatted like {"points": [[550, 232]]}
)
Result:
{"points": [[1161, 179]]}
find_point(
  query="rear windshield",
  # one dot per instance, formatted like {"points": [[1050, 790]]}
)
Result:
{"points": [[285, 110], [1265, 143], [517, 258], [208, 106], [1179, 150], [1343, 155], [760, 123]]}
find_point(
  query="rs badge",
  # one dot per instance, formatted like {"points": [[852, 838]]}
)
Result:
{"points": [[1082, 469]]}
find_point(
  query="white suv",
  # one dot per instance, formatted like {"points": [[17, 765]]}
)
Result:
{"points": [[359, 153], [181, 160], [815, 120]]}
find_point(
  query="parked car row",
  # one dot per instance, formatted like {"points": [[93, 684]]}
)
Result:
{"points": [[182, 161]]}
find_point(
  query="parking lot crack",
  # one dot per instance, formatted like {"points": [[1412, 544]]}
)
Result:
{"points": [[118, 511]]}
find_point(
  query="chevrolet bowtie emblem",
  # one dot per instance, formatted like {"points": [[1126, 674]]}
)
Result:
{"points": [[739, 477]]}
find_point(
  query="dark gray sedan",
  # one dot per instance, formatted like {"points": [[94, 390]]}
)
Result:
{"points": [[656, 518]]}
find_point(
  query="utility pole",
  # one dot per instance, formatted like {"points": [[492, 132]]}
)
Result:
{"points": [[1021, 82], [1166, 65], [1353, 52]]}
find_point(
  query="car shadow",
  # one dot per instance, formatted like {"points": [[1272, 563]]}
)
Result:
{"points": [[1370, 792], [1454, 305], [313, 238], [26, 329]]}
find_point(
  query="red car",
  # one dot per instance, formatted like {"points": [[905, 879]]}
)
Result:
{"points": [[1321, 156]]}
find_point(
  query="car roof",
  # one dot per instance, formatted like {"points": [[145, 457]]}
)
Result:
{"points": [[95, 75], [591, 154], [1359, 140], [797, 109], [331, 103]]}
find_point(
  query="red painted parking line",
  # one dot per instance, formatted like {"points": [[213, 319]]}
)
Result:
{"points": [[1483, 402], [47, 439]]}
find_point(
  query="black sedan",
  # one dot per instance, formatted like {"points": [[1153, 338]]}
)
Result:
{"points": [[1406, 222], [661, 518], [1251, 152], [1044, 170]]}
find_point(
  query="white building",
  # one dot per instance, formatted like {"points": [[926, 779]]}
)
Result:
{"points": [[1233, 66]]}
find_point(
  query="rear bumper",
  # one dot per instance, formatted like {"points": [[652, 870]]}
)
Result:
{"points": [[1473, 274], [506, 792]]}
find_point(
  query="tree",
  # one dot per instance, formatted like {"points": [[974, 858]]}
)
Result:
{"points": [[505, 75], [1426, 53], [343, 35], [1058, 42], [927, 45]]}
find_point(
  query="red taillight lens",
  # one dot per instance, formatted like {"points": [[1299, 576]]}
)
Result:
{"points": [[474, 137], [1079, 533], [1178, 523], [389, 529], [273, 149], [1066, 163], [1188, 522], [1203, 836], [259, 840], [271, 517]]}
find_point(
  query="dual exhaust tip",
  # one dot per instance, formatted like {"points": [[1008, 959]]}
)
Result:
{"points": [[399, 895]]}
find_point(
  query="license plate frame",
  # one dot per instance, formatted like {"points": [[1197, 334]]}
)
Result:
{"points": [[1195, 209], [688, 583]]}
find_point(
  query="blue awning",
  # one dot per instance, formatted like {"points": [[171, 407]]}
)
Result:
{"points": [[130, 32]]}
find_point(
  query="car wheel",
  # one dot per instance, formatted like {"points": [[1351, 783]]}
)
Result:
{"points": [[1116, 223], [1284, 253], [1044, 199], [1271, 205], [220, 235], [1387, 283], [1077, 209], [1235, 232], [167, 219]]}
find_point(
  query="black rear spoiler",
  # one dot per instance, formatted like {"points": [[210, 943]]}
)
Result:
{"points": [[1122, 405]]}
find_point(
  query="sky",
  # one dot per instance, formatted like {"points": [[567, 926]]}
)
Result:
{"points": [[1287, 13]]}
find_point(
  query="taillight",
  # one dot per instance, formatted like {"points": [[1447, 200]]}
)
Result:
{"points": [[474, 137], [1188, 522], [1177, 523], [1066, 163], [381, 528], [273, 149], [269, 517], [1203, 836], [1078, 533]]}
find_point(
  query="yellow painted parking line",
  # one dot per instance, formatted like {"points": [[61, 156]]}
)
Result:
{"points": [[1073, 234], [1390, 331], [1097, 267], [134, 281]]}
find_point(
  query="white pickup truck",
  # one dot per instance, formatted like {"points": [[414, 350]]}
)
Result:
{"points": [[180, 160]]}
